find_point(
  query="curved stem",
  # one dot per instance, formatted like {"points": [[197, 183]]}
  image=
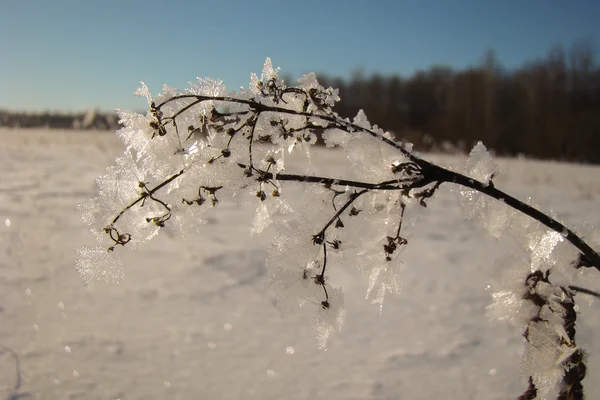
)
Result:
{"points": [[259, 107], [149, 193], [591, 257], [353, 197], [579, 289], [431, 172], [397, 184]]}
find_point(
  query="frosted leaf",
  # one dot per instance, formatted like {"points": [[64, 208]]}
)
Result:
{"points": [[505, 305], [546, 383], [330, 319], [525, 231], [474, 204], [477, 205], [336, 137], [144, 92], [262, 219], [254, 84], [96, 263], [167, 93], [563, 272], [269, 72], [386, 277], [541, 252], [361, 120], [566, 351], [137, 223], [273, 160], [498, 218], [294, 260], [495, 216], [187, 219], [541, 351], [121, 183], [207, 87], [168, 155], [507, 285], [309, 81], [296, 288], [291, 259], [262, 216], [541, 358], [162, 155], [118, 188], [136, 132], [327, 97], [480, 165], [366, 234], [90, 209], [370, 159]]}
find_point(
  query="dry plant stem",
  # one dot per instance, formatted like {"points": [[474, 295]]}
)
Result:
{"points": [[353, 197], [386, 185], [430, 172], [590, 258], [149, 193], [415, 177], [584, 290], [571, 387]]}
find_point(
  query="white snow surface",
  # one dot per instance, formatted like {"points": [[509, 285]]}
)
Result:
{"points": [[191, 320]]}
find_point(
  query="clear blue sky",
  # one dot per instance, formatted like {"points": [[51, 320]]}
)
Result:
{"points": [[75, 55]]}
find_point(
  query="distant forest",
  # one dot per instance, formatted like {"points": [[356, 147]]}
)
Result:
{"points": [[91, 119], [548, 108]]}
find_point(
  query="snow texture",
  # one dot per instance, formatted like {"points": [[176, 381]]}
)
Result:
{"points": [[197, 162], [191, 319]]}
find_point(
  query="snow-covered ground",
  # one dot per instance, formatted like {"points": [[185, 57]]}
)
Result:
{"points": [[192, 321]]}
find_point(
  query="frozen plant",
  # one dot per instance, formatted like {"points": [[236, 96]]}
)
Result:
{"points": [[194, 149]]}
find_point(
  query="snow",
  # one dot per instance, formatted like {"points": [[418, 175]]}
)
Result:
{"points": [[192, 318]]}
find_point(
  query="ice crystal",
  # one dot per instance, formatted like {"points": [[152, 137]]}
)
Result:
{"points": [[197, 148], [96, 263]]}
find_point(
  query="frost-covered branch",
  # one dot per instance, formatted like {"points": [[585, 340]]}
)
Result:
{"points": [[551, 354], [195, 148], [588, 257]]}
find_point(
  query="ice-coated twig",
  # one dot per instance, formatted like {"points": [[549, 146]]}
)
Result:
{"points": [[202, 142]]}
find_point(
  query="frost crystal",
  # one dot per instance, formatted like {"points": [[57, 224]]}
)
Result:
{"points": [[262, 219], [144, 92], [480, 165], [361, 120], [331, 319], [541, 359], [495, 216], [542, 249], [508, 290], [387, 278], [96, 263], [197, 148]]}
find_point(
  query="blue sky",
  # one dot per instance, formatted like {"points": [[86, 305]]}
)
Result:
{"points": [[75, 55]]}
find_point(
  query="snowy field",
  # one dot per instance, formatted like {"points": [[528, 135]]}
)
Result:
{"points": [[192, 321]]}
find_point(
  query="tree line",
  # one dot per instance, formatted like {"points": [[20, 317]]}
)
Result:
{"points": [[90, 119], [547, 108]]}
